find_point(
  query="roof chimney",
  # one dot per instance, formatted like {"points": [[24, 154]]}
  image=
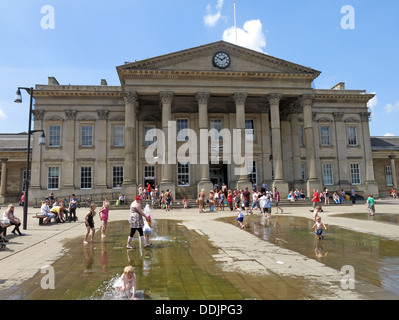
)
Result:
{"points": [[53, 81]]}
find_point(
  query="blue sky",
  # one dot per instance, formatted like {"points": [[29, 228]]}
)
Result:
{"points": [[90, 38]]}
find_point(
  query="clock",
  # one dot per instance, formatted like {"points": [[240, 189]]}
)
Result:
{"points": [[221, 60]]}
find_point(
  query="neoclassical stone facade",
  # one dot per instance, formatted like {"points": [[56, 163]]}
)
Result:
{"points": [[302, 137]]}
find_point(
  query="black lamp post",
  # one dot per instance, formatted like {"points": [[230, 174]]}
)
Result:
{"points": [[42, 141]]}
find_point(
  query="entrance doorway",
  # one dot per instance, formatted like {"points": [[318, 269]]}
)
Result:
{"points": [[218, 174]]}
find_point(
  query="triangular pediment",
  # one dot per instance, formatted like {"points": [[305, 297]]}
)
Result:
{"points": [[199, 59]]}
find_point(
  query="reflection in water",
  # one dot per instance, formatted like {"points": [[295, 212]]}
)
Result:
{"points": [[380, 217], [375, 259]]}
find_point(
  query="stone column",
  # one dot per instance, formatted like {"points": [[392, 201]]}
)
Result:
{"points": [[266, 152], [312, 178], [239, 99], [38, 174], [167, 181], [342, 166], [101, 149], [394, 177], [202, 99], [3, 187], [296, 152], [278, 181], [68, 173], [371, 184], [129, 185]]}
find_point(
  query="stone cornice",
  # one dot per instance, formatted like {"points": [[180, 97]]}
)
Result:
{"points": [[73, 90], [211, 75]]}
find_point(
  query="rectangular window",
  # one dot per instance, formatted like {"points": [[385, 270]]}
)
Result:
{"points": [[300, 136], [183, 174], [149, 173], [54, 136], [149, 137], [251, 167], [352, 136], [85, 178], [216, 124], [87, 136], [388, 176], [249, 130], [303, 172], [53, 178], [325, 136], [180, 125], [117, 177], [118, 136], [328, 174], [355, 173]]}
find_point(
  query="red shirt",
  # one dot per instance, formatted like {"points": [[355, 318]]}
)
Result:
{"points": [[316, 197]]}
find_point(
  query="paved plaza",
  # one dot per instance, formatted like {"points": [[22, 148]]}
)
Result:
{"points": [[237, 250]]}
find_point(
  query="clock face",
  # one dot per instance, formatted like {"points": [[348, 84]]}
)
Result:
{"points": [[221, 60]]}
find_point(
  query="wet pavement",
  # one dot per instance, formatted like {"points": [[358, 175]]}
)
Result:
{"points": [[207, 257]]}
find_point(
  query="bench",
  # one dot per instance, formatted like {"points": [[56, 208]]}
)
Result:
{"points": [[41, 218]]}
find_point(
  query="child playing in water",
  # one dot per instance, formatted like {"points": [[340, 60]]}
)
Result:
{"points": [[126, 284], [104, 218], [319, 226], [89, 222], [240, 216], [147, 229], [316, 212]]}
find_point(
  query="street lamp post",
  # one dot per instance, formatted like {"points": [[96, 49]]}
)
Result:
{"points": [[42, 141]]}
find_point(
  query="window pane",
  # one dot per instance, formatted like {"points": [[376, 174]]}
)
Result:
{"points": [[180, 125], [216, 124], [55, 137], [251, 167], [119, 136], [249, 130], [388, 175], [328, 174], [87, 136], [85, 177], [325, 136], [355, 173], [183, 174], [352, 136], [53, 178], [117, 176]]}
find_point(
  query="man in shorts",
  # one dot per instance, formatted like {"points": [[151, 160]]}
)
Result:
{"points": [[276, 197], [246, 195]]}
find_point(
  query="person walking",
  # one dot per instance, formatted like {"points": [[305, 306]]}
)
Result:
{"points": [[103, 213], [136, 222], [89, 222], [276, 197]]}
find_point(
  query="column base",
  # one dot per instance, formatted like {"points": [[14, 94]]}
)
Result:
{"points": [[372, 189], [129, 189], [207, 185], [168, 185], [282, 187], [311, 185]]}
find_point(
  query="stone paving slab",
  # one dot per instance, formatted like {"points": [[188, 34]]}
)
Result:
{"points": [[238, 250]]}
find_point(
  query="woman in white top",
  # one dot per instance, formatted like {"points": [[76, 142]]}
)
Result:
{"points": [[9, 218]]}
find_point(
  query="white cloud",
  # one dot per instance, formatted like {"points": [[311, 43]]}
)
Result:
{"points": [[251, 36], [392, 107], [211, 19], [2, 114], [388, 134], [372, 103]]}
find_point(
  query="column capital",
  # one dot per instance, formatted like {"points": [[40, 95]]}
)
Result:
{"points": [[102, 114], [392, 157], [166, 96], [3, 160], [70, 114], [306, 100], [338, 116], [263, 107], [38, 114], [240, 97], [274, 98], [130, 96], [202, 97], [365, 116]]}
